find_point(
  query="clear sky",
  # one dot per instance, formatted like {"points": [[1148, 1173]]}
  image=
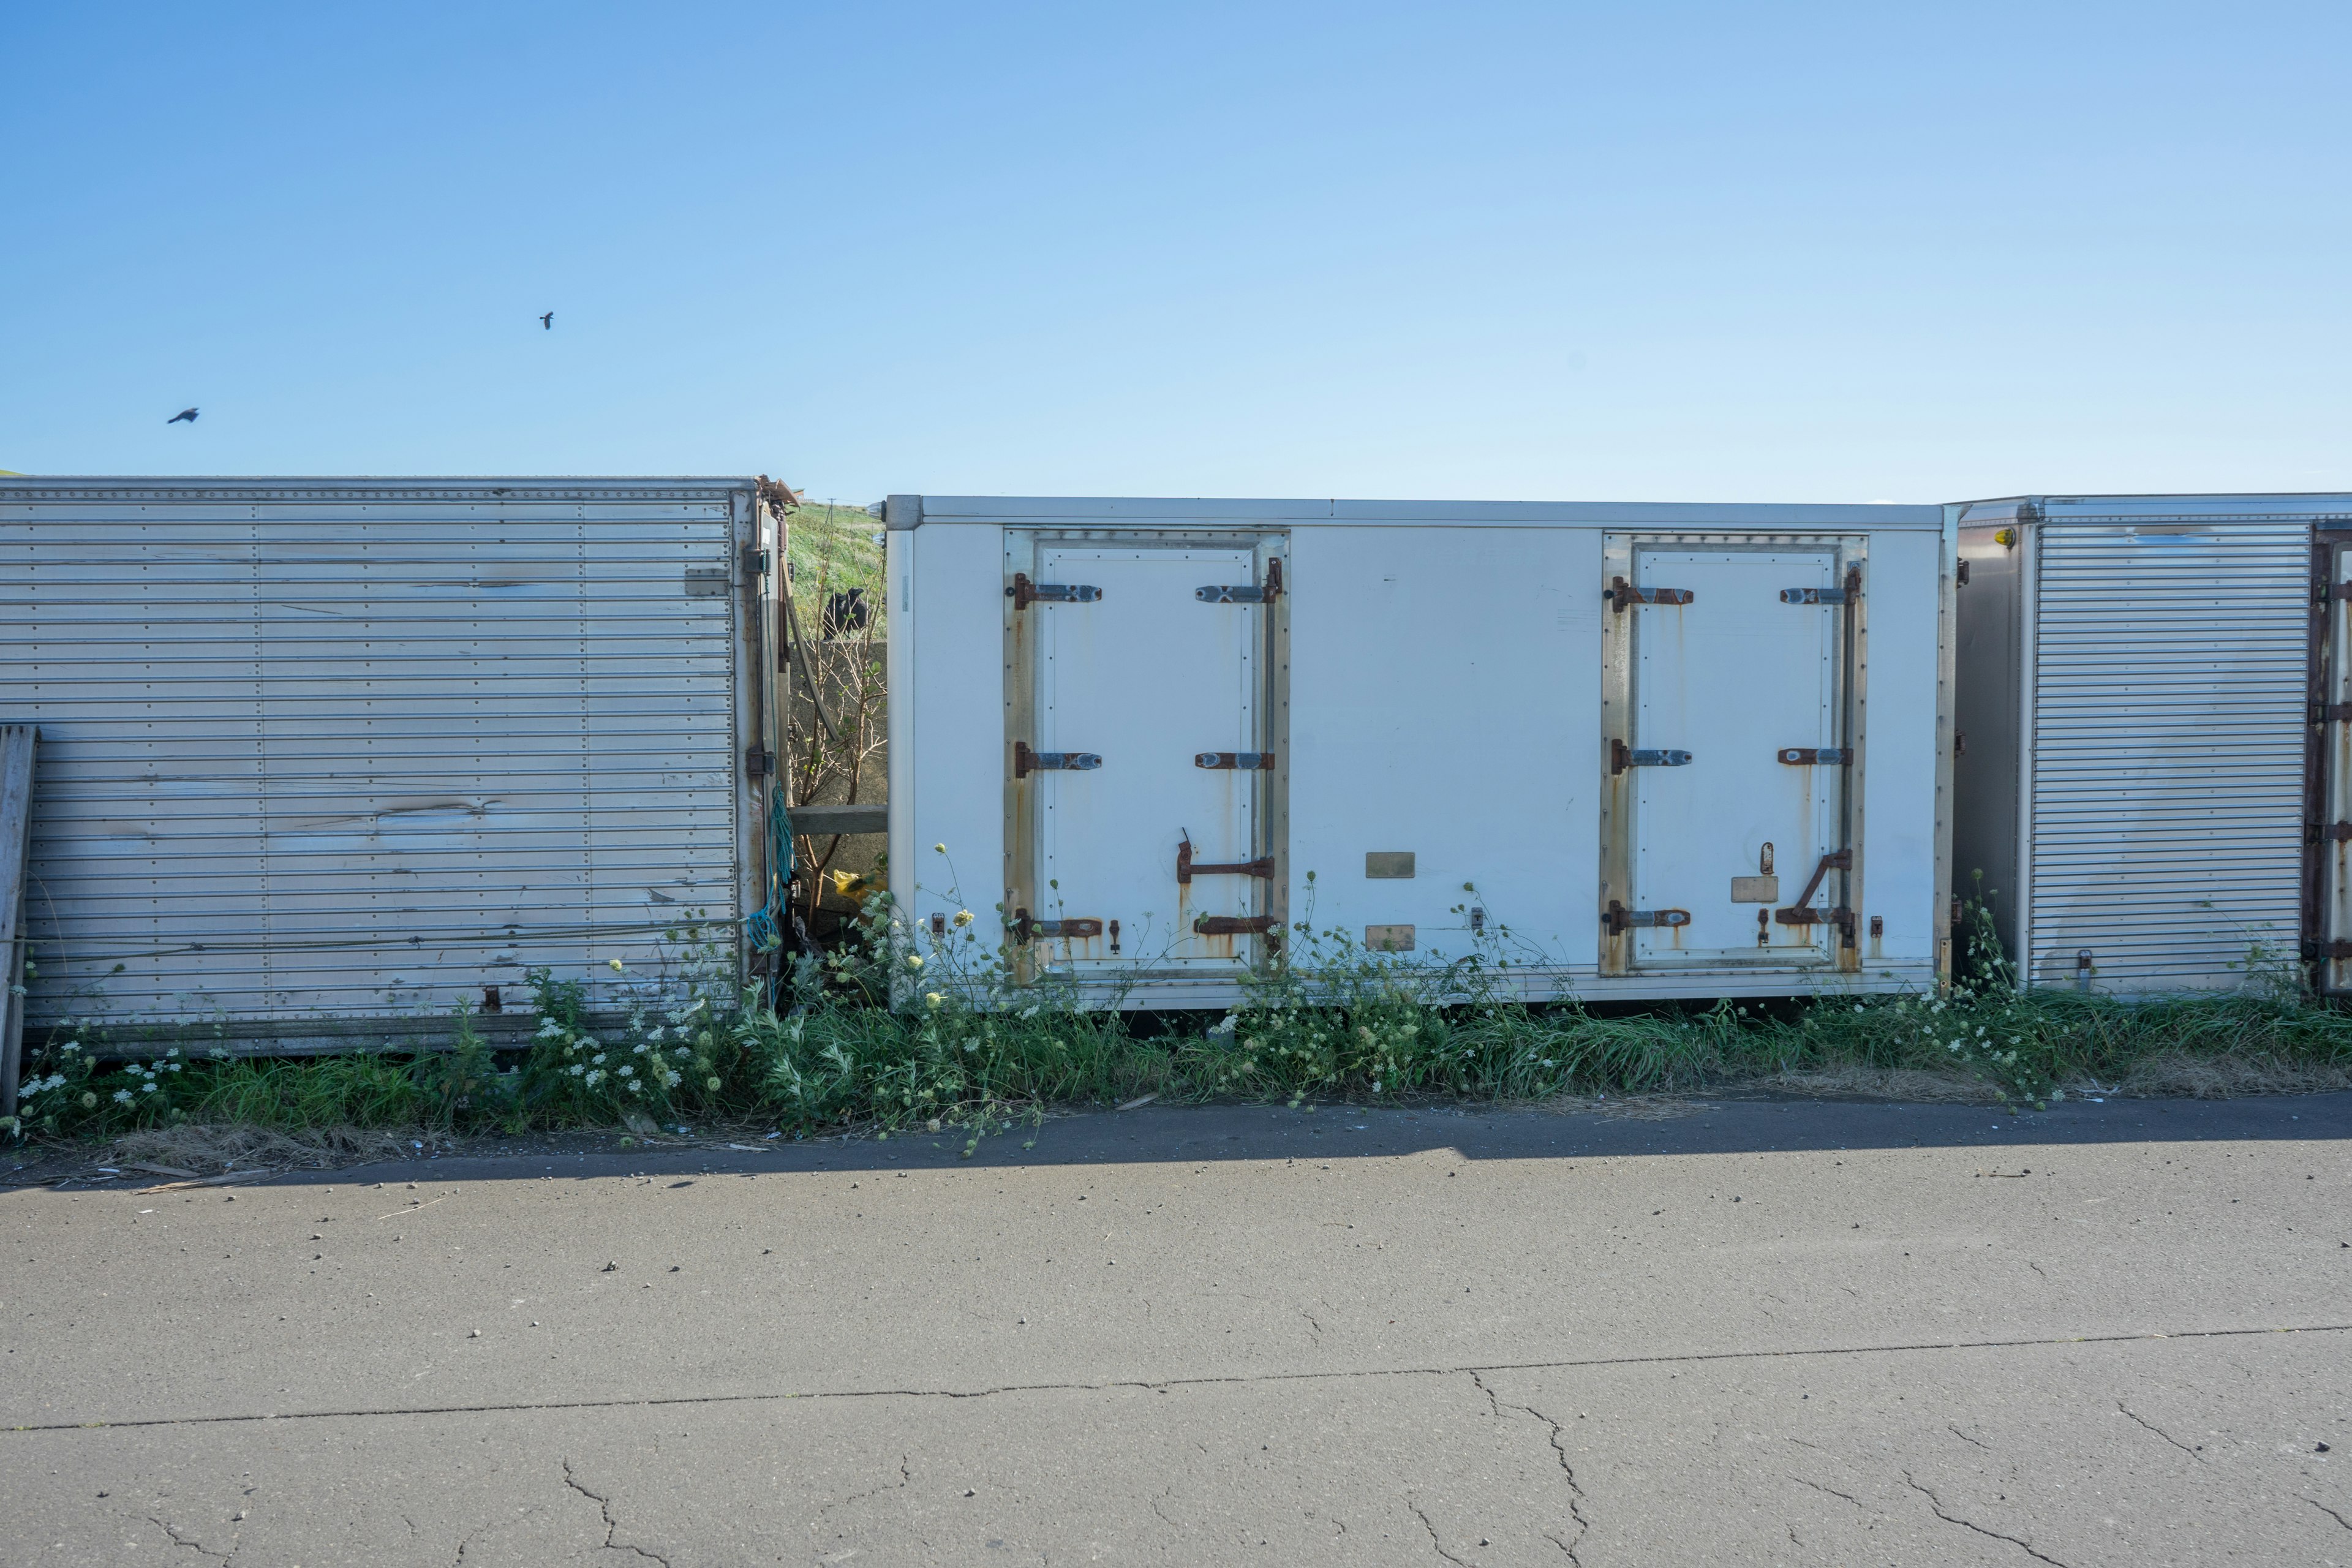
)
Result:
{"points": [[1650, 251]]}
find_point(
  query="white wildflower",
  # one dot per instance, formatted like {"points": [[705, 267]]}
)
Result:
{"points": [[122, 1097]]}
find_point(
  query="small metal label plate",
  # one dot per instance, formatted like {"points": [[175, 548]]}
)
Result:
{"points": [[706, 582], [1388, 939], [1388, 864], [1756, 890]]}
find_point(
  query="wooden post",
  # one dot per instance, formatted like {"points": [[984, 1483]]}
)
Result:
{"points": [[17, 743]]}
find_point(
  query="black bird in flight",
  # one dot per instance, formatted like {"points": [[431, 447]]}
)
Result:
{"points": [[187, 413], [548, 321]]}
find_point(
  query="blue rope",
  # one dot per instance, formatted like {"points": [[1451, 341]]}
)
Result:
{"points": [[766, 925]]}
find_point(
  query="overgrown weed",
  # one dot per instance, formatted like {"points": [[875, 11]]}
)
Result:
{"points": [[898, 1029]]}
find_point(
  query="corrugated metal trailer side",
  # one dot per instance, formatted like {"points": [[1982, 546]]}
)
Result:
{"points": [[320, 758], [2136, 701]]}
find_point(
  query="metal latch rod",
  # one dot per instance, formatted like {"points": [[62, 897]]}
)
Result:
{"points": [[1187, 867], [1253, 762], [1024, 592], [1622, 756], [1619, 918], [1026, 929], [1026, 761], [1233, 925], [1817, 756], [1621, 593], [1248, 594]]}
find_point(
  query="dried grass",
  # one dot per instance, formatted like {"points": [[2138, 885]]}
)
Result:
{"points": [[2179, 1075], [209, 1148]]}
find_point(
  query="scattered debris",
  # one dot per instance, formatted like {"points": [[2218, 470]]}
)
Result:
{"points": [[1138, 1101]]}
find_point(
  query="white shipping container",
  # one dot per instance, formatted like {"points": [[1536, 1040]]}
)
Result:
{"points": [[2154, 786], [320, 758], [1677, 751]]}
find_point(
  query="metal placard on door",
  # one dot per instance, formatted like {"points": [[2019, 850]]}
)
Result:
{"points": [[1731, 752]]}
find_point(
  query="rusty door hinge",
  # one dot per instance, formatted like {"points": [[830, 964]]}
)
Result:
{"points": [[2331, 713], [759, 762], [1026, 761], [1233, 925], [1817, 756], [1187, 869], [1847, 594], [2328, 952], [1026, 929], [2328, 832], [1024, 592], [1248, 762], [1618, 918], [1623, 594], [1248, 593], [1622, 756], [1840, 917], [1960, 574]]}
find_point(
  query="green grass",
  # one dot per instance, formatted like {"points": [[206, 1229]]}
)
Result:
{"points": [[885, 1039]]}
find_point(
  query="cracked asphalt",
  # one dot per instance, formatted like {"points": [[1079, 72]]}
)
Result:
{"points": [[1756, 1331]]}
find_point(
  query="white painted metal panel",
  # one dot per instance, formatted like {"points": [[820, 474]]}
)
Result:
{"points": [[1731, 678], [337, 749], [1443, 671], [2166, 733], [1146, 677]]}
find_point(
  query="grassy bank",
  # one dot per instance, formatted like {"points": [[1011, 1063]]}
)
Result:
{"points": [[886, 1038]]}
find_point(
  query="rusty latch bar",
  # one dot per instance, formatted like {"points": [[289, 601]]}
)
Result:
{"points": [[1024, 592], [1622, 756], [1849, 594], [1026, 929], [1840, 917], [2331, 713], [1618, 918], [1187, 869], [1249, 761], [1026, 761], [2327, 949], [2328, 832], [1248, 593], [1621, 593], [1800, 913], [1233, 925], [1817, 756]]}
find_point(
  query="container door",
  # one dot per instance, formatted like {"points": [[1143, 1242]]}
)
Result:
{"points": [[1737, 759], [2327, 912], [1147, 768]]}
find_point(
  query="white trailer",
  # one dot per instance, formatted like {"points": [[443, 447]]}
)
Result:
{"points": [[1676, 751], [321, 758], [2155, 778]]}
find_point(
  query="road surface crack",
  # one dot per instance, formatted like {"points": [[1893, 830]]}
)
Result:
{"points": [[1832, 1491], [1435, 1544], [1967, 1524], [906, 1478], [1567, 1470], [190, 1542], [2330, 1512], [1111, 1386], [2162, 1432], [611, 1526]]}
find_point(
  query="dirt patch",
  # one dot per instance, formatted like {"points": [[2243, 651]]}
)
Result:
{"points": [[2176, 1075], [1909, 1085]]}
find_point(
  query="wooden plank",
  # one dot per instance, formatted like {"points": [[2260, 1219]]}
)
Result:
{"points": [[823, 821], [17, 745]]}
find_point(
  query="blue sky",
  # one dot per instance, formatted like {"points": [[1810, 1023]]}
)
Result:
{"points": [[1475, 250]]}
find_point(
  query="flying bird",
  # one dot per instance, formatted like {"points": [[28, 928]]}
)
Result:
{"points": [[187, 413], [548, 321]]}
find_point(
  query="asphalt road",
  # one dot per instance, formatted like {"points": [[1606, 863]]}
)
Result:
{"points": [[1758, 1333]]}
